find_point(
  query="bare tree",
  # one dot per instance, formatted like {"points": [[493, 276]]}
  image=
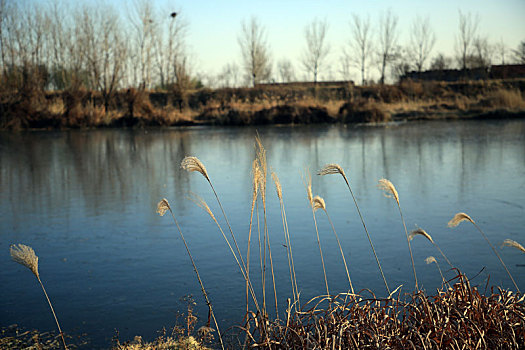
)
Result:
{"points": [[440, 62], [468, 27], [360, 45], [483, 52], [387, 41], [144, 27], [501, 50], [519, 53], [254, 49], [286, 71], [317, 48], [229, 76], [104, 48], [422, 41], [170, 45]]}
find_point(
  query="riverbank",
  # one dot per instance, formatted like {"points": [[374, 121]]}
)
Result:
{"points": [[264, 105], [457, 316]]}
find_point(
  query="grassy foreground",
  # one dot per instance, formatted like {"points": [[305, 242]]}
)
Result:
{"points": [[457, 316], [408, 100]]}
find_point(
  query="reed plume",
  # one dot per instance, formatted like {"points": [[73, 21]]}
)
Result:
{"points": [[319, 203], [460, 217], [390, 191], [336, 169], [421, 232], [291, 266], [26, 256], [315, 203], [511, 243], [430, 260], [162, 207]]}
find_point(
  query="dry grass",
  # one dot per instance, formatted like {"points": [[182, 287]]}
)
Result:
{"points": [[506, 98], [456, 318]]}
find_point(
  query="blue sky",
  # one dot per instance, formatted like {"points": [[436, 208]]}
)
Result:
{"points": [[215, 25]]}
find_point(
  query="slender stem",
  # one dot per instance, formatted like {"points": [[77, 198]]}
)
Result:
{"points": [[320, 252], [448, 262], [288, 253], [53, 311], [203, 290], [267, 234], [248, 250], [499, 257], [291, 256], [238, 263], [341, 250], [367, 234], [409, 247], [228, 224]]}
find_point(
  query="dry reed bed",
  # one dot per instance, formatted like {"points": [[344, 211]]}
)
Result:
{"points": [[459, 317]]}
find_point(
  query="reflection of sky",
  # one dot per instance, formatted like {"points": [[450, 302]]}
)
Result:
{"points": [[86, 202]]}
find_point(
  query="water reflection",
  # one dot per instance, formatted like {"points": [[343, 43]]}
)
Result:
{"points": [[85, 200]]}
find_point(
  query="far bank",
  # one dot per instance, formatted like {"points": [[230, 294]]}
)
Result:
{"points": [[332, 102]]}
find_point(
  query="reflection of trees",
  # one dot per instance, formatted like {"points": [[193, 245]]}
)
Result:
{"points": [[41, 172]]}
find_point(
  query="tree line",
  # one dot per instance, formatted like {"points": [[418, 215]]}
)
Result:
{"points": [[54, 46]]}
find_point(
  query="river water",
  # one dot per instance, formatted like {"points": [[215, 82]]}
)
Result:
{"points": [[86, 202]]}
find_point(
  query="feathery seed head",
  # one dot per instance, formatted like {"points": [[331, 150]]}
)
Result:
{"points": [[202, 204], [194, 164], [278, 187], [430, 260], [458, 218], [163, 207], [256, 172], [331, 169], [421, 232], [308, 184], [389, 188], [26, 256], [511, 243], [318, 203]]}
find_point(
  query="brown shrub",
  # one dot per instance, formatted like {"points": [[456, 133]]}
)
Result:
{"points": [[363, 111]]}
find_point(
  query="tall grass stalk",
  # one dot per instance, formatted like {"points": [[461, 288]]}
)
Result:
{"points": [[421, 232], [291, 266], [310, 197], [261, 158], [26, 256], [201, 203], [460, 217], [255, 182], [336, 169], [162, 207], [321, 204], [391, 191]]}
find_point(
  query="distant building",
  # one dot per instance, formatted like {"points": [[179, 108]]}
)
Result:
{"points": [[507, 71], [308, 84], [448, 75]]}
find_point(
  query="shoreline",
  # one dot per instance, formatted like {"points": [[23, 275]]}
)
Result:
{"points": [[270, 105]]}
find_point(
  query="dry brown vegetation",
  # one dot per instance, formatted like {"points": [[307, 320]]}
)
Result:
{"points": [[459, 317], [294, 104]]}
